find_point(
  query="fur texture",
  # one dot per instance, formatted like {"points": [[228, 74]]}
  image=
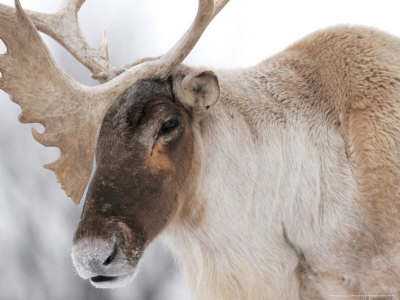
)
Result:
{"points": [[299, 170], [285, 188]]}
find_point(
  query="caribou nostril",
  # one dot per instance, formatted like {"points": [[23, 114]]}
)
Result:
{"points": [[112, 256]]}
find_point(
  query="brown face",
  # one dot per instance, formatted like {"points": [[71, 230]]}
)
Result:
{"points": [[144, 160]]}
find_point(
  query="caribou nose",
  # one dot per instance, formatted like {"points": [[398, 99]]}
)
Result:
{"points": [[112, 256], [94, 257], [103, 261]]}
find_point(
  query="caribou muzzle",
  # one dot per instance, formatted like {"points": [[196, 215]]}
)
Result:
{"points": [[108, 262]]}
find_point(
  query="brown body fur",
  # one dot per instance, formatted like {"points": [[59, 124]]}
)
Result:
{"points": [[349, 77], [359, 72]]}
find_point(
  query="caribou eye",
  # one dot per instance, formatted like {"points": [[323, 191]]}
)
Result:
{"points": [[169, 126]]}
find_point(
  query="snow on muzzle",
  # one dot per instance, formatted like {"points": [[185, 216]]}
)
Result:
{"points": [[105, 262]]}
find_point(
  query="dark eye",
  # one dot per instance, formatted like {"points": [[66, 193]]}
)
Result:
{"points": [[168, 126]]}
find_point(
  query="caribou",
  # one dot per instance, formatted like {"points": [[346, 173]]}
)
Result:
{"points": [[278, 181]]}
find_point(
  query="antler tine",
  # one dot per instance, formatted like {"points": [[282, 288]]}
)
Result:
{"points": [[64, 28], [72, 5], [71, 112], [205, 13], [162, 67], [218, 6]]}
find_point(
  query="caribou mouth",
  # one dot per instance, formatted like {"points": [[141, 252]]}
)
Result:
{"points": [[110, 282], [103, 278]]}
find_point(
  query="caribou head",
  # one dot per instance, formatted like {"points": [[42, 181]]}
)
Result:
{"points": [[146, 138], [146, 164]]}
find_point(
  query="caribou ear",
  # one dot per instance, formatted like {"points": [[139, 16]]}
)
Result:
{"points": [[197, 91]]}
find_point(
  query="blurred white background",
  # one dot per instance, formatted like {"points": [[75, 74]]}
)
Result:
{"points": [[37, 220]]}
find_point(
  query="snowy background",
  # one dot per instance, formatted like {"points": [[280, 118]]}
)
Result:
{"points": [[37, 221]]}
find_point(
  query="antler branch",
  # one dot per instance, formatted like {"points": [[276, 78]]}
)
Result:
{"points": [[71, 112], [63, 26], [162, 67], [218, 6]]}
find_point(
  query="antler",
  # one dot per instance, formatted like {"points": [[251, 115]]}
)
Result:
{"points": [[70, 112], [64, 28]]}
